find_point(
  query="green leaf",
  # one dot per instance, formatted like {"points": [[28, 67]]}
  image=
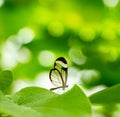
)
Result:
{"points": [[5, 79], [107, 96], [73, 103], [9, 108]]}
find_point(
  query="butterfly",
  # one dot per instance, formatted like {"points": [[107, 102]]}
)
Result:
{"points": [[58, 75]]}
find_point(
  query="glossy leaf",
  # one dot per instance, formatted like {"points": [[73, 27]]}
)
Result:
{"points": [[107, 96], [9, 108], [73, 103]]}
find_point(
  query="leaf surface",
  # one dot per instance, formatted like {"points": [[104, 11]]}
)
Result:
{"points": [[107, 96], [5, 79], [9, 108], [73, 103]]}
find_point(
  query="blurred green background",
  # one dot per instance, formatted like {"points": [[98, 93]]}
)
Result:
{"points": [[33, 33]]}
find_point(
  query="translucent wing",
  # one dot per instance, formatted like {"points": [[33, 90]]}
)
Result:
{"points": [[61, 65], [55, 77], [58, 75]]}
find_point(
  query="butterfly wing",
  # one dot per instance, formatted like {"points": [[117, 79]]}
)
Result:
{"points": [[61, 65], [55, 77], [58, 75]]}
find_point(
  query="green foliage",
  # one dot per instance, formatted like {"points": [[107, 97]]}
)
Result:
{"points": [[39, 102], [86, 33], [5, 79], [8, 108], [108, 96]]}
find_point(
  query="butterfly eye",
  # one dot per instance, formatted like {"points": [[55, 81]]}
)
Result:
{"points": [[58, 75]]}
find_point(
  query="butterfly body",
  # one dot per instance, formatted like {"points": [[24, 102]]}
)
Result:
{"points": [[58, 75]]}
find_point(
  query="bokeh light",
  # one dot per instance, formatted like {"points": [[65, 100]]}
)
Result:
{"points": [[1, 3], [24, 55], [46, 58], [19, 84], [77, 56], [87, 33], [42, 80], [73, 20], [56, 29], [112, 52], [111, 3], [90, 77], [9, 53], [25, 35], [12, 53], [74, 76]]}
